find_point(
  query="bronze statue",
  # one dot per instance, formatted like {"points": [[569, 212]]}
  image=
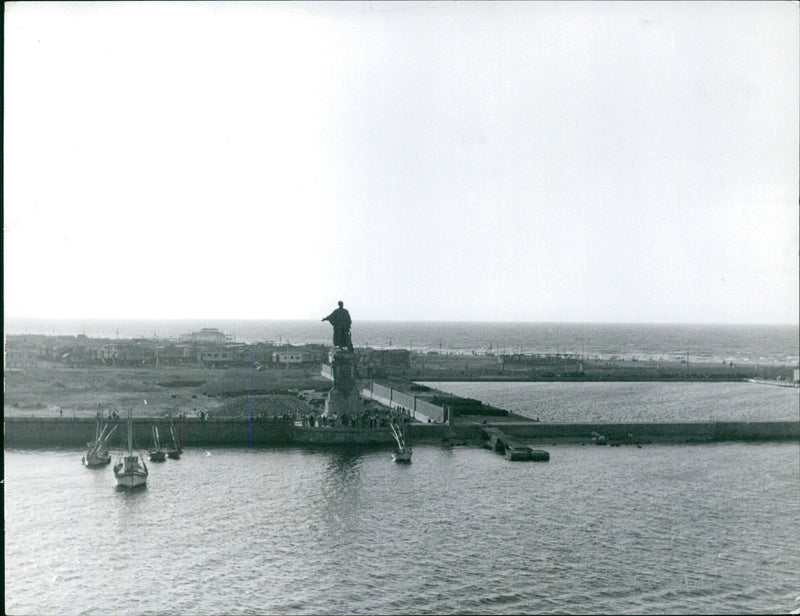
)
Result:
{"points": [[340, 319]]}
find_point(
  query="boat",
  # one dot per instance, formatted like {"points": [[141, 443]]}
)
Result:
{"points": [[97, 450], [176, 450], [157, 453], [517, 452], [129, 471], [403, 451]]}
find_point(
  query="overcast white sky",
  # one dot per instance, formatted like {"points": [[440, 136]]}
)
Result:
{"points": [[631, 162]]}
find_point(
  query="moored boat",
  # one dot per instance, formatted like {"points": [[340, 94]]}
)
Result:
{"points": [[157, 453], [97, 453], [403, 451], [403, 455], [517, 453], [175, 451], [129, 471]]}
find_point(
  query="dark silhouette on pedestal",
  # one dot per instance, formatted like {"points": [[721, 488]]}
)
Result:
{"points": [[340, 319]]}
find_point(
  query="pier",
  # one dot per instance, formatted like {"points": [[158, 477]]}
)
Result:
{"points": [[513, 448], [432, 416], [414, 406]]}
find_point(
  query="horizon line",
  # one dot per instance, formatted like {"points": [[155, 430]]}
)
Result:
{"points": [[495, 321]]}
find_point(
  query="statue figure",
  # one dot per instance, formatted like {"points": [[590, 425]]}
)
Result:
{"points": [[340, 319]]}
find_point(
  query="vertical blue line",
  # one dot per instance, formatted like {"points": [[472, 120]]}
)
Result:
{"points": [[250, 394]]}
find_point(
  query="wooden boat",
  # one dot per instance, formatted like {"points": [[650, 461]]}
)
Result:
{"points": [[128, 471], [517, 453], [403, 451], [175, 451], [157, 452], [97, 453]]}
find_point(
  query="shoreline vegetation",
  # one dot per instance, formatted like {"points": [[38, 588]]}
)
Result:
{"points": [[52, 378]]}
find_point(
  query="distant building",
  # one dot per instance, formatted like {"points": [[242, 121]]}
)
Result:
{"points": [[295, 357], [207, 334], [108, 353], [134, 353], [174, 354], [390, 358], [386, 362], [217, 357], [20, 358]]}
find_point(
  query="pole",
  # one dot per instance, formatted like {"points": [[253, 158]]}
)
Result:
{"points": [[250, 396]]}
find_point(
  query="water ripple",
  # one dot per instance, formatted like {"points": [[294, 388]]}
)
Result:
{"points": [[460, 530]]}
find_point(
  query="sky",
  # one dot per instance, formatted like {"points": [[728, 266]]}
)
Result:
{"points": [[436, 161]]}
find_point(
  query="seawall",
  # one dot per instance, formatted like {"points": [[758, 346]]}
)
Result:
{"points": [[685, 432], [32, 432], [191, 432]]}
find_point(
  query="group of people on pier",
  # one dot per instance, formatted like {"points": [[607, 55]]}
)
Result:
{"points": [[371, 418]]}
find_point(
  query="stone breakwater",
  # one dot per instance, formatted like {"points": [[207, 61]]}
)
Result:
{"points": [[45, 432]]}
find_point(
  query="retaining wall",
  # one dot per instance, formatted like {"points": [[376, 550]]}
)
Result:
{"points": [[194, 432], [418, 409], [76, 432], [656, 432]]}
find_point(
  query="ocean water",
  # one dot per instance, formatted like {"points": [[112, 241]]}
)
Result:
{"points": [[635, 402], [774, 344], [666, 529], [663, 529]]}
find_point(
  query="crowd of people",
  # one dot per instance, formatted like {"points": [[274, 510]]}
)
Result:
{"points": [[370, 418]]}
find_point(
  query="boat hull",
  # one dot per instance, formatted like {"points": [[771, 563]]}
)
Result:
{"points": [[517, 453], [526, 453], [131, 480], [129, 473], [402, 456], [95, 461]]}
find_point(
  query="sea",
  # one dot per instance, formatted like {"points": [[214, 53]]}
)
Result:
{"points": [[663, 528]]}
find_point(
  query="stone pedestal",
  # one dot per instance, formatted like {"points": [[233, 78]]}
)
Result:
{"points": [[343, 399]]}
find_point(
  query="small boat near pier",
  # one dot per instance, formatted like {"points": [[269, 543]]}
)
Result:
{"points": [[97, 453], [403, 451], [157, 453], [129, 471], [176, 450]]}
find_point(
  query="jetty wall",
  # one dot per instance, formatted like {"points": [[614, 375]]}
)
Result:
{"points": [[191, 432], [415, 407], [36, 432], [685, 432]]}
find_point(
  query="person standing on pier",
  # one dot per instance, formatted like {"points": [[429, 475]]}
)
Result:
{"points": [[340, 319]]}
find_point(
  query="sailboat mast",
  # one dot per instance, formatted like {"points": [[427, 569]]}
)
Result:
{"points": [[130, 433]]}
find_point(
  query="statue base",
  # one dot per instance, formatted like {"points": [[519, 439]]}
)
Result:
{"points": [[343, 399], [340, 404]]}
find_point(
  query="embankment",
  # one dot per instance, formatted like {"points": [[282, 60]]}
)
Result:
{"points": [[43, 432], [190, 431]]}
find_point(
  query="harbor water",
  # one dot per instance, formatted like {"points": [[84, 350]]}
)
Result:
{"points": [[663, 529], [635, 402], [702, 528]]}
